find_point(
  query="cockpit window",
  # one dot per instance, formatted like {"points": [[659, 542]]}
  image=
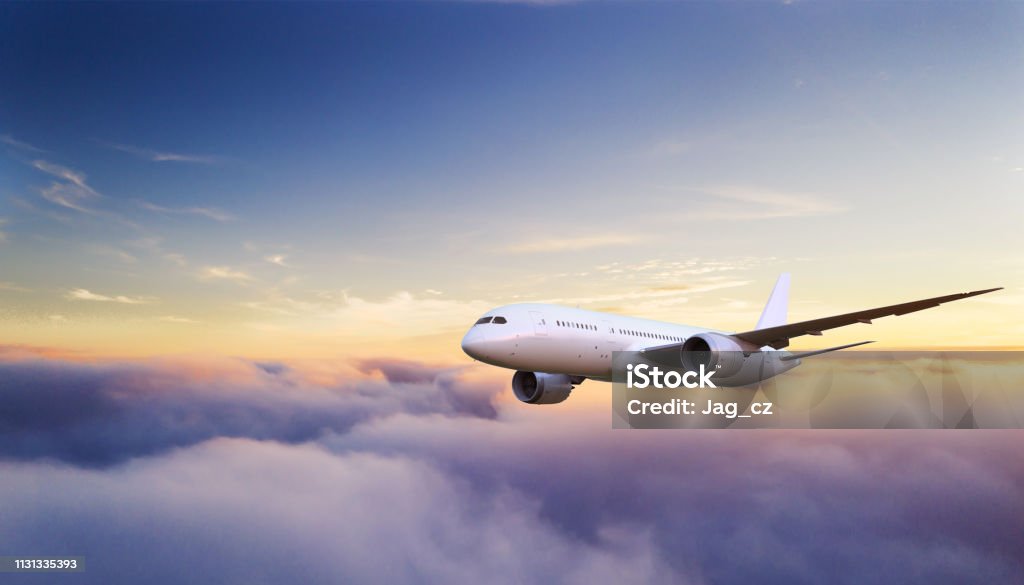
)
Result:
{"points": [[500, 321], [483, 320]]}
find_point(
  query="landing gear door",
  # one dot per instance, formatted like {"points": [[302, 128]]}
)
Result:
{"points": [[540, 326]]}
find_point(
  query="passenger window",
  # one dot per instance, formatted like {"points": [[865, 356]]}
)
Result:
{"points": [[483, 320], [500, 320]]}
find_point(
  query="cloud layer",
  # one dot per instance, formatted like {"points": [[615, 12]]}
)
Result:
{"points": [[382, 470]]}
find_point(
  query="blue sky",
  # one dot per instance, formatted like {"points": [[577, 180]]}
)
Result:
{"points": [[494, 152]]}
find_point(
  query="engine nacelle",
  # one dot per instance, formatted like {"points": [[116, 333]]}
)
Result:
{"points": [[713, 350], [541, 388]]}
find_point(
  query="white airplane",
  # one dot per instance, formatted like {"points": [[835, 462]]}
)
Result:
{"points": [[555, 348]]}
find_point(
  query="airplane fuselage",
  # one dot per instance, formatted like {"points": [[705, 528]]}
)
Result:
{"points": [[563, 340]]}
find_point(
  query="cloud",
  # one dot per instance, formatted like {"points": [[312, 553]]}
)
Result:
{"points": [[278, 259], [301, 512], [81, 294], [3, 236], [746, 203], [71, 191], [208, 212], [400, 315], [657, 288], [404, 371], [100, 415], [71, 176], [655, 298], [675, 271], [570, 244], [113, 252], [20, 145], [174, 319], [10, 286], [785, 204], [411, 478], [161, 156], [154, 246], [224, 273]]}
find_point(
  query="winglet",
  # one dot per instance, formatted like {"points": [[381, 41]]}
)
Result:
{"points": [[775, 309]]}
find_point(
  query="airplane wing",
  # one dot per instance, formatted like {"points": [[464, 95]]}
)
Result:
{"points": [[779, 336]]}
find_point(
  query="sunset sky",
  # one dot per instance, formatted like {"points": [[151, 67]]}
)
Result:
{"points": [[240, 243], [365, 179]]}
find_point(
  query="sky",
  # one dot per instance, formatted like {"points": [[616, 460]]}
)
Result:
{"points": [[240, 243], [318, 180]]}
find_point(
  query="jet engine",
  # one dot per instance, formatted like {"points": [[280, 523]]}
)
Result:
{"points": [[713, 350], [541, 388]]}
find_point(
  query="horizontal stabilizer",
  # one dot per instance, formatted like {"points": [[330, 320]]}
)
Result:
{"points": [[797, 356]]}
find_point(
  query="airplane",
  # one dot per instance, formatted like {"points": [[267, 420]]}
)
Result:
{"points": [[555, 348]]}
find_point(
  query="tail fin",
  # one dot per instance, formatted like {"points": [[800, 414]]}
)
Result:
{"points": [[774, 313]]}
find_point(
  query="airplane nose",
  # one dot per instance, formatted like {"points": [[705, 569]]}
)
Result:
{"points": [[473, 344]]}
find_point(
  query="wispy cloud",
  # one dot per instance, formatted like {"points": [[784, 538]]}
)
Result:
{"points": [[70, 190], [164, 156], [154, 246], [70, 175], [81, 294], [337, 315], [10, 286], [113, 252], [20, 145], [278, 259], [780, 204], [224, 273], [665, 295], [570, 244], [656, 288], [663, 271], [741, 203], [175, 319], [3, 236], [208, 212]]}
